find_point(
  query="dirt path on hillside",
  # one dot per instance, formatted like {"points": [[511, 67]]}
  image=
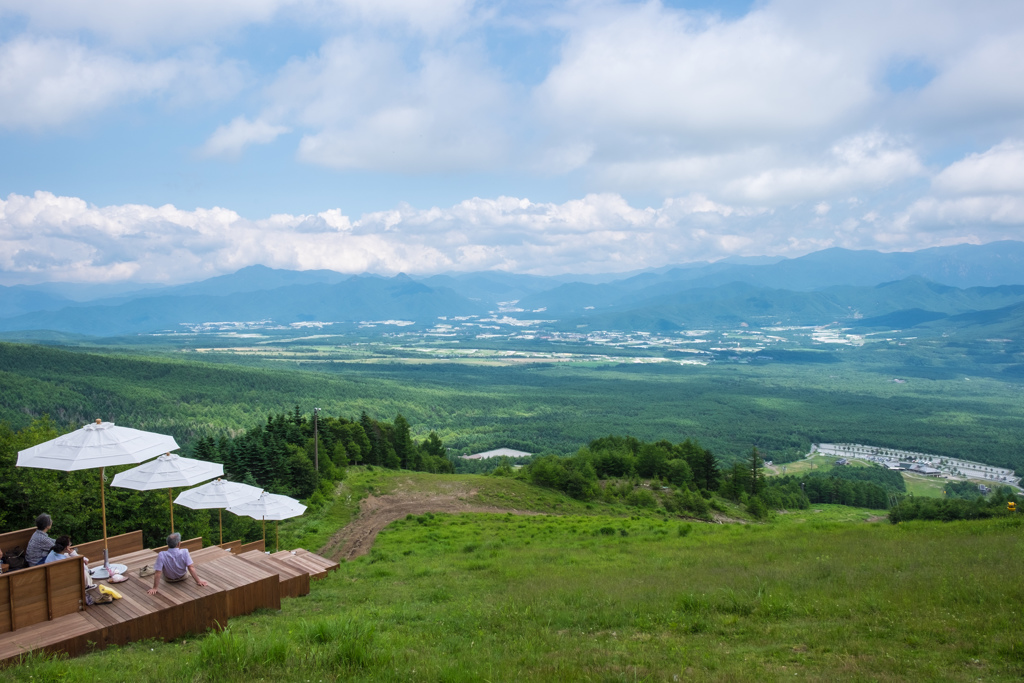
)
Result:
{"points": [[376, 512]]}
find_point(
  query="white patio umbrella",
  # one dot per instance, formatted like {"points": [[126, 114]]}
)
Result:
{"points": [[101, 444], [219, 493], [169, 471], [270, 506]]}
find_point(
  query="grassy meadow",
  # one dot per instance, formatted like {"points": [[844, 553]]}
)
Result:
{"points": [[587, 594]]}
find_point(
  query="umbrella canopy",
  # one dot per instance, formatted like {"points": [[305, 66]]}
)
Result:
{"points": [[270, 506], [101, 444], [168, 471], [219, 493]]}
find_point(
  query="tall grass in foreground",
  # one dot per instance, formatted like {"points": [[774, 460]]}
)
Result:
{"points": [[509, 598]]}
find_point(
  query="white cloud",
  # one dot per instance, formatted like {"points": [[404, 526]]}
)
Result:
{"points": [[47, 237], [649, 71], [47, 83], [981, 87], [863, 161], [143, 25], [983, 192], [366, 108], [930, 212], [50, 82], [727, 123], [229, 140], [134, 23], [999, 169]]}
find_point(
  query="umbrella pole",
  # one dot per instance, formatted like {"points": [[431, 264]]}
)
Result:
{"points": [[220, 518], [264, 533], [170, 504], [103, 504], [277, 544]]}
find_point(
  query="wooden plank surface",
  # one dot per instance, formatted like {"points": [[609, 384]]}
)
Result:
{"points": [[329, 565], [294, 580], [316, 570], [237, 585], [212, 552], [255, 545]]}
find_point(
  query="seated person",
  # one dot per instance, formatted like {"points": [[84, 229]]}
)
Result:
{"points": [[176, 563], [39, 545], [62, 549]]}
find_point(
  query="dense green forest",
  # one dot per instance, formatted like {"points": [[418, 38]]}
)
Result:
{"points": [[781, 409]]}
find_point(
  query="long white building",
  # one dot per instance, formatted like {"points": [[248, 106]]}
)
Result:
{"points": [[952, 467]]}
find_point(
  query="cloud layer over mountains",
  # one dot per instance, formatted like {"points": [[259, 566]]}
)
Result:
{"points": [[401, 135]]}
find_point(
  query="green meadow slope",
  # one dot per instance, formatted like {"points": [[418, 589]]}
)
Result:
{"points": [[592, 593]]}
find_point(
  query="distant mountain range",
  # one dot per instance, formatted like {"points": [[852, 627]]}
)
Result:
{"points": [[965, 287]]}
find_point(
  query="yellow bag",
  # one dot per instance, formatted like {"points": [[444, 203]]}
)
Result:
{"points": [[110, 591]]}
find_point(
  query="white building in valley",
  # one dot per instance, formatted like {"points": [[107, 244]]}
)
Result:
{"points": [[498, 453], [950, 467]]}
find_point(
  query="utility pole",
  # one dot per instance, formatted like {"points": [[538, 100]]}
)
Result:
{"points": [[316, 439]]}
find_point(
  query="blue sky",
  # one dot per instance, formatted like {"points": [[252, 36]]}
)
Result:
{"points": [[171, 141]]}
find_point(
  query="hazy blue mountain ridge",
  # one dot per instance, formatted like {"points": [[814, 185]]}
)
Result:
{"points": [[857, 288], [355, 299], [18, 300]]}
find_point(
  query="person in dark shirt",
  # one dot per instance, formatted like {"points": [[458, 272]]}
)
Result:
{"points": [[40, 544]]}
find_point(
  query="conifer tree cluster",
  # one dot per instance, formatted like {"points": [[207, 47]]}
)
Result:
{"points": [[281, 455]]}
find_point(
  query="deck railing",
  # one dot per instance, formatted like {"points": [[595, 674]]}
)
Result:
{"points": [[41, 593]]}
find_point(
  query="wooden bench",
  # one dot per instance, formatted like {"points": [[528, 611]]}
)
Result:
{"points": [[122, 544], [191, 545], [255, 545], [41, 593], [233, 546], [12, 539]]}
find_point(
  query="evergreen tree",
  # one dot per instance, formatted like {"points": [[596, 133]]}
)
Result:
{"points": [[756, 472], [375, 455], [433, 445], [205, 449], [405, 449]]}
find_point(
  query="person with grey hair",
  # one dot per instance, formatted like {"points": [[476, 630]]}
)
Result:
{"points": [[175, 564], [40, 544]]}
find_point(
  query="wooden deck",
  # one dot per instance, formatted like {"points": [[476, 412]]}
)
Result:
{"points": [[238, 584]]}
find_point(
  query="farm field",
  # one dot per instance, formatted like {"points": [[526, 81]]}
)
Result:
{"points": [[588, 595]]}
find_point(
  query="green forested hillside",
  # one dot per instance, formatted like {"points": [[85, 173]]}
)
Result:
{"points": [[780, 408]]}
